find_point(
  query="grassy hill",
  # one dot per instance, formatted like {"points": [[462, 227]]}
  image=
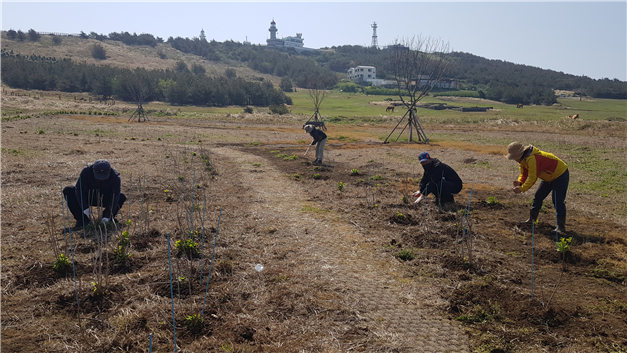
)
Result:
{"points": [[161, 57]]}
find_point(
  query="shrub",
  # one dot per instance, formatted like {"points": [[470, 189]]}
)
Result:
{"points": [[340, 186], [492, 200], [316, 176], [279, 109], [248, 110], [98, 52], [376, 177], [187, 247], [62, 264], [33, 35], [354, 171], [194, 323], [56, 40], [406, 255]]}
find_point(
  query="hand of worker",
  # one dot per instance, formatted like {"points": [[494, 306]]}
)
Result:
{"points": [[517, 183], [105, 219], [420, 199], [417, 193], [517, 190], [87, 212]]}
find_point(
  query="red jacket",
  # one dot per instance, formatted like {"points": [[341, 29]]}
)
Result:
{"points": [[539, 164]]}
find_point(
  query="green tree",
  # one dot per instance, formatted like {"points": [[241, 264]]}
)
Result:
{"points": [[11, 34], [198, 69], [98, 52], [230, 73], [20, 35], [33, 35], [181, 66], [286, 84], [56, 40]]}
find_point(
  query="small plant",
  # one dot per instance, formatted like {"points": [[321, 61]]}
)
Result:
{"points": [[40, 131], [248, 110], [168, 195], [406, 255], [193, 153], [132, 138], [181, 178], [340, 186], [354, 171], [167, 156], [188, 247], [62, 264], [182, 280], [121, 251], [563, 246], [316, 176], [376, 177], [281, 278], [404, 199], [492, 200], [158, 138], [301, 141], [256, 164], [194, 322], [291, 158], [400, 215]]}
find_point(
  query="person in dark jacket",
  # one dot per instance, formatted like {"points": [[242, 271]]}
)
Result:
{"points": [[440, 180], [97, 185], [319, 139]]}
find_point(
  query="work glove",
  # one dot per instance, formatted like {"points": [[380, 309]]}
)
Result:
{"points": [[105, 219], [87, 212], [420, 199], [417, 193]]}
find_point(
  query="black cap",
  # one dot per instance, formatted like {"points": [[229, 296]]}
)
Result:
{"points": [[102, 168]]}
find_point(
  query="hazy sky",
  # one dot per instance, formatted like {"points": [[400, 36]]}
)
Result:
{"points": [[579, 38]]}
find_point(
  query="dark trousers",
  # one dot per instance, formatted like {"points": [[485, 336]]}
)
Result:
{"points": [[443, 190], [74, 204], [559, 187]]}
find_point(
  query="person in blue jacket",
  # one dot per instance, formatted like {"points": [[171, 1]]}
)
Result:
{"points": [[319, 139], [439, 179], [97, 185]]}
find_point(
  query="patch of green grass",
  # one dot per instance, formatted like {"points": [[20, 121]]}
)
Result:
{"points": [[254, 144], [483, 314], [406, 255], [376, 177], [308, 208]]}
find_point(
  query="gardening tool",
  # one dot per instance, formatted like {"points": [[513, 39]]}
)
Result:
{"points": [[307, 150]]}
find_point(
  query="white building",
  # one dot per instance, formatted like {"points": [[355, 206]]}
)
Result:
{"points": [[362, 73], [297, 43], [369, 74]]}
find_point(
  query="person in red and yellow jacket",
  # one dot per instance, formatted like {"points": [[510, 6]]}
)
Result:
{"points": [[553, 172]]}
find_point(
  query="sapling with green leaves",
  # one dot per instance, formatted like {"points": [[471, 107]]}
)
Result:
{"points": [[492, 200], [563, 247], [354, 171], [62, 264], [340, 186]]}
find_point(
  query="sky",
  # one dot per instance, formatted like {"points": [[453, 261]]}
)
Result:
{"points": [[579, 38]]}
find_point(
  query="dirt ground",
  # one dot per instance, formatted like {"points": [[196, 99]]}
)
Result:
{"points": [[337, 275]]}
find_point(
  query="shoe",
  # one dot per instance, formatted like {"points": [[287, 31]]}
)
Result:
{"points": [[533, 216], [561, 225], [450, 207]]}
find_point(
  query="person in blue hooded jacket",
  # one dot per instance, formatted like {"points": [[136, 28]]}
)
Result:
{"points": [[440, 180], [97, 185]]}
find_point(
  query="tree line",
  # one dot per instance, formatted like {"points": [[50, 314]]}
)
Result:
{"points": [[175, 86], [493, 79]]}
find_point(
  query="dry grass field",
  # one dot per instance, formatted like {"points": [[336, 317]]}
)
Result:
{"points": [[349, 262], [345, 270]]}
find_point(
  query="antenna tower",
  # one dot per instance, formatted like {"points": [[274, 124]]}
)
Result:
{"points": [[375, 43]]}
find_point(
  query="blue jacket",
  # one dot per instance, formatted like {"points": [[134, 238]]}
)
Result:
{"points": [[87, 187], [318, 135]]}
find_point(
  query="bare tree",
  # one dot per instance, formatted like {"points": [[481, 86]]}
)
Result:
{"points": [[418, 64], [317, 93], [139, 87]]}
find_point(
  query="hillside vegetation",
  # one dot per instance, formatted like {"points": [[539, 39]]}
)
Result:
{"points": [[492, 79]]}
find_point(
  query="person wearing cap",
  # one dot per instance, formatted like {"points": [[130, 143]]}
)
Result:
{"points": [[97, 185], [319, 139], [440, 180], [554, 176]]}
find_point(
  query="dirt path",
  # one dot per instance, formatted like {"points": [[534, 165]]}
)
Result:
{"points": [[393, 314]]}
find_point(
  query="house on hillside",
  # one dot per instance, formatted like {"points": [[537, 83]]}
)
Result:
{"points": [[367, 74]]}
